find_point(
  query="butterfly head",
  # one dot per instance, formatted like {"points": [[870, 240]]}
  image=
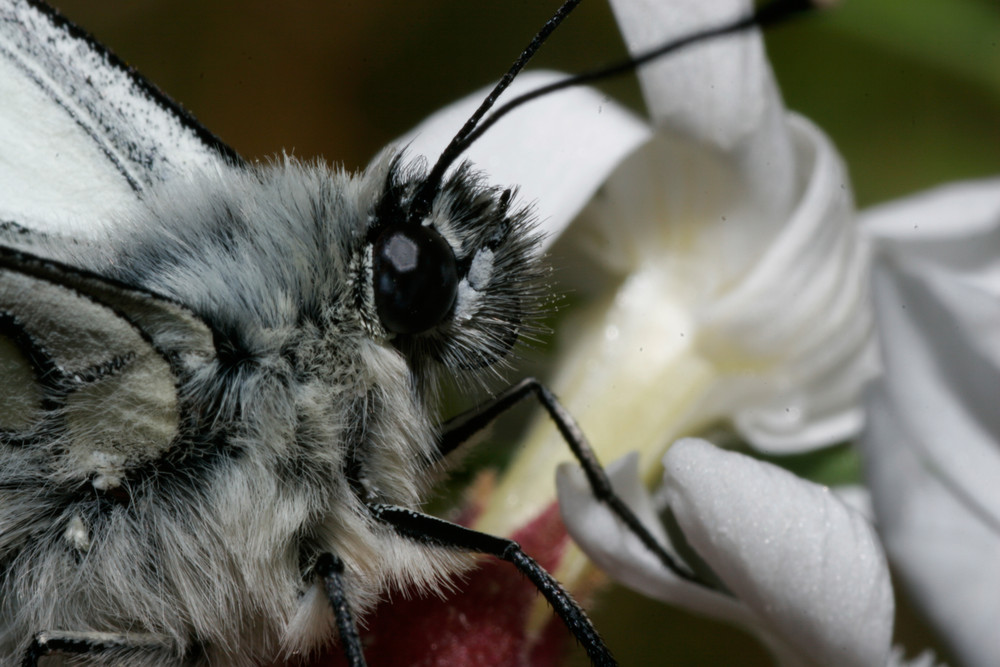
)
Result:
{"points": [[453, 279]]}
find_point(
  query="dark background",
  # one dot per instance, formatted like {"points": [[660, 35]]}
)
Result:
{"points": [[910, 92]]}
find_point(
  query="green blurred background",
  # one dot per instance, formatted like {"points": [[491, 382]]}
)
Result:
{"points": [[909, 91]]}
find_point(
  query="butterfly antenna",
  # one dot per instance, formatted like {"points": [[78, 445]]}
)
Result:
{"points": [[432, 184], [769, 14]]}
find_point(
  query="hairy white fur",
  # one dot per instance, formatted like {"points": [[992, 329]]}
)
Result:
{"points": [[211, 553]]}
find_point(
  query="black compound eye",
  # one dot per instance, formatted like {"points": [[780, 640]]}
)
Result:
{"points": [[416, 279]]}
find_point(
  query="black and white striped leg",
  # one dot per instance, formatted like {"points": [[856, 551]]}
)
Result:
{"points": [[330, 569], [105, 647], [458, 429], [438, 532]]}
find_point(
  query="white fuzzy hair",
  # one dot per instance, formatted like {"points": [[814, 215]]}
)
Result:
{"points": [[245, 293]]}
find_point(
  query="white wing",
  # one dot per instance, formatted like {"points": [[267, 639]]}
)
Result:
{"points": [[81, 134]]}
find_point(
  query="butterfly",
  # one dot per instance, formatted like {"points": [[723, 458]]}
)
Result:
{"points": [[219, 375]]}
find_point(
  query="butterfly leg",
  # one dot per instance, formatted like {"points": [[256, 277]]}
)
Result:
{"points": [[111, 648], [330, 570], [460, 428], [438, 532]]}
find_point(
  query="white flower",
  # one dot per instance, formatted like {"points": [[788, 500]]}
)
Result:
{"points": [[717, 272], [716, 276], [795, 565], [932, 446]]}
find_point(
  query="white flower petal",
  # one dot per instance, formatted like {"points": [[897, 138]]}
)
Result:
{"points": [[557, 150], [937, 290], [858, 497], [939, 345], [953, 225], [925, 659], [809, 567], [933, 445], [780, 316], [945, 550], [804, 306], [806, 573], [721, 92], [616, 550], [716, 91]]}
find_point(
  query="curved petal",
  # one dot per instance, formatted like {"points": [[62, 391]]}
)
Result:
{"points": [[954, 225], [616, 550], [721, 92], [945, 550], [718, 90], [933, 445], [802, 312], [942, 373], [937, 291], [811, 569], [676, 268], [557, 150]]}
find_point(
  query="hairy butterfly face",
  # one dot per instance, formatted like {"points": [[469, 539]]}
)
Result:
{"points": [[454, 285]]}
